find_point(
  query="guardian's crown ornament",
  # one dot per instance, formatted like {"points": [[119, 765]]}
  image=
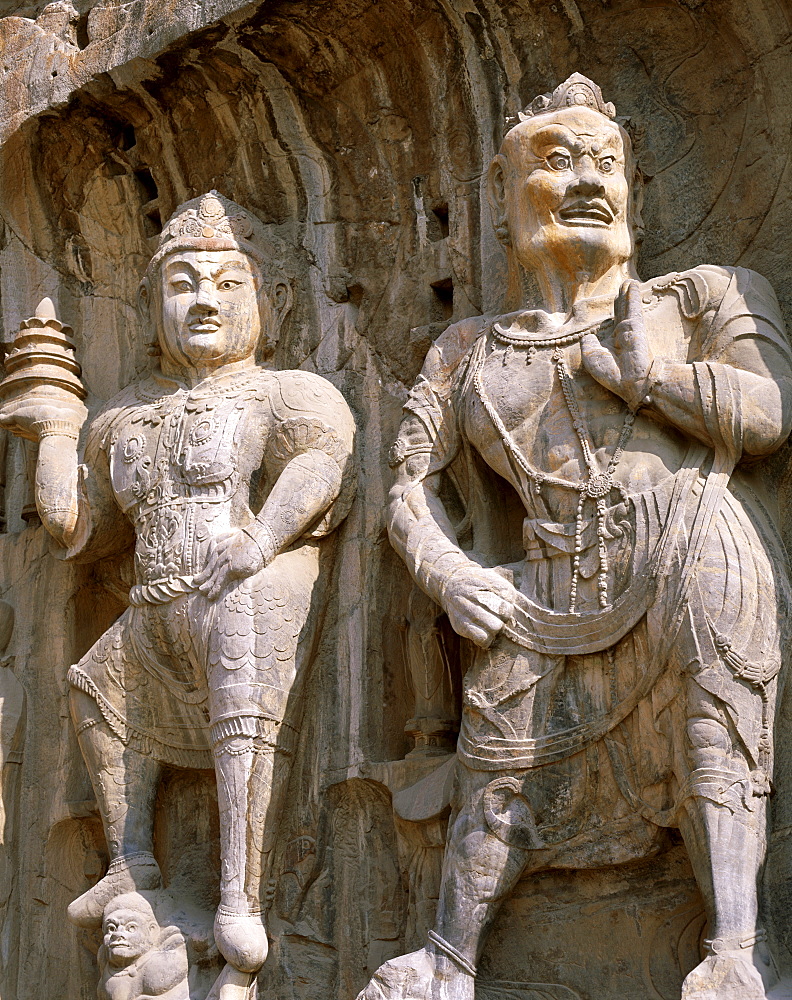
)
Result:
{"points": [[576, 91]]}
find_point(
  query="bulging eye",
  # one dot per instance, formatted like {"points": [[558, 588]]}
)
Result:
{"points": [[559, 161], [606, 164]]}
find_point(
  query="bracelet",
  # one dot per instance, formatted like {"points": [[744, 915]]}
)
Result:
{"points": [[55, 428], [456, 956], [654, 377], [458, 566], [268, 544]]}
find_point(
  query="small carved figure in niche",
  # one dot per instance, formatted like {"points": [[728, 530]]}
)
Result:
{"points": [[630, 621], [138, 959], [224, 474]]}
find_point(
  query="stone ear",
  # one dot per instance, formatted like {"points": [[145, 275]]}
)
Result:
{"points": [[496, 195], [281, 298], [636, 204]]}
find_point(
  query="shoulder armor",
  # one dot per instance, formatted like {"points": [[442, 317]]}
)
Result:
{"points": [[697, 290]]}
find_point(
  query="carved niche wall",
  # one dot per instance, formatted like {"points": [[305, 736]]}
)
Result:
{"points": [[360, 133]]}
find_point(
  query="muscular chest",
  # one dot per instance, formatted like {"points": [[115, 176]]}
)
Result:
{"points": [[544, 400], [529, 400]]}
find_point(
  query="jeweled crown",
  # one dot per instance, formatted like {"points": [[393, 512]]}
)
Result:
{"points": [[209, 217], [214, 222], [576, 91]]}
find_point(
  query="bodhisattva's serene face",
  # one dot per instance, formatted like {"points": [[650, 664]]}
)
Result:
{"points": [[128, 935], [565, 192], [210, 308]]}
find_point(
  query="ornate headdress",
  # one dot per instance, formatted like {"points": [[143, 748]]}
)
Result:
{"points": [[213, 222], [576, 91]]}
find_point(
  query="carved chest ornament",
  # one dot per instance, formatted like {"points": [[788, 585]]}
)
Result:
{"points": [[598, 484]]}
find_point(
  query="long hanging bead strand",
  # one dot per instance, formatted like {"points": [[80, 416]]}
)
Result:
{"points": [[578, 551], [598, 484], [624, 437], [602, 548], [565, 380]]}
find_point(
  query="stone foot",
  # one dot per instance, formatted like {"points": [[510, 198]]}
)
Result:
{"points": [[129, 873], [241, 939], [414, 977], [726, 976]]}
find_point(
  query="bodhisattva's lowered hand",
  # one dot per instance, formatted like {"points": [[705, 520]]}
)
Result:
{"points": [[624, 369], [232, 555]]}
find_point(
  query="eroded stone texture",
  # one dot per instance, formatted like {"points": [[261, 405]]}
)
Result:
{"points": [[224, 474], [631, 640], [360, 133]]}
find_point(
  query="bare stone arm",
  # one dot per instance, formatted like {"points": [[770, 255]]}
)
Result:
{"points": [[56, 428], [57, 473], [478, 601], [420, 529], [310, 453], [303, 491], [766, 405]]}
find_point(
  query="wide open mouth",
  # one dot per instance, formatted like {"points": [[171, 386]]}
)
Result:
{"points": [[587, 213]]}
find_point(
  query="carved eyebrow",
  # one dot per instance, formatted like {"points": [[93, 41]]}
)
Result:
{"points": [[232, 265], [559, 135], [174, 265], [555, 135], [612, 143]]}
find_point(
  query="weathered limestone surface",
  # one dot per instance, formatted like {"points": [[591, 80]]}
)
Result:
{"points": [[630, 617], [360, 134]]}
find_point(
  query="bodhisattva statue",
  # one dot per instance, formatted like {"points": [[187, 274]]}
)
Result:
{"points": [[224, 473], [630, 620]]}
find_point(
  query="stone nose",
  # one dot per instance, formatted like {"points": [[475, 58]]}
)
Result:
{"points": [[588, 180], [205, 297]]}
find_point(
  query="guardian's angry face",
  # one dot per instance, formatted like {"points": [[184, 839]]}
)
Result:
{"points": [[562, 185]]}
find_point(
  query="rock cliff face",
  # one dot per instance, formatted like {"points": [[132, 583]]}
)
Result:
{"points": [[360, 133]]}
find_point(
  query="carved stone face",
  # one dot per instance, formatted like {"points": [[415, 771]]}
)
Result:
{"points": [[565, 193], [210, 307], [128, 935]]}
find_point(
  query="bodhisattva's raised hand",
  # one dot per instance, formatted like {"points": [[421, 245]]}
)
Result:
{"points": [[478, 602], [28, 415], [624, 369]]}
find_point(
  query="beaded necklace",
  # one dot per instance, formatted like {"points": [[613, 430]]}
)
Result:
{"points": [[598, 485]]}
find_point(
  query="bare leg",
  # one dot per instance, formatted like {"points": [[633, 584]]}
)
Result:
{"points": [[125, 784], [479, 872], [251, 777], [723, 826]]}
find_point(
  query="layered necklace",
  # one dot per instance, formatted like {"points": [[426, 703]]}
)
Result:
{"points": [[597, 485]]}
